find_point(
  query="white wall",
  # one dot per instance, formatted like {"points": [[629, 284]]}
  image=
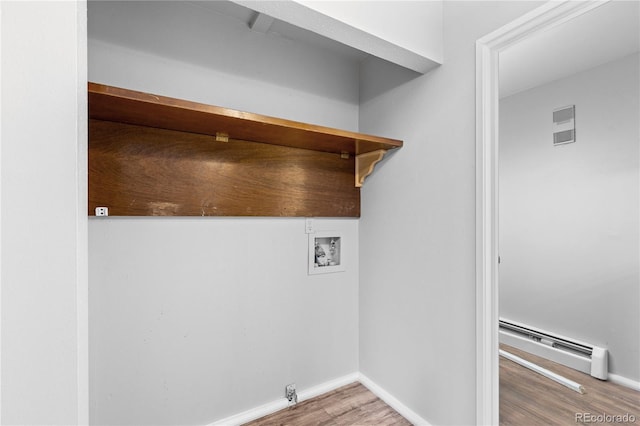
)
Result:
{"points": [[193, 320], [416, 25], [153, 44], [196, 319], [569, 214], [417, 231], [411, 39], [44, 225]]}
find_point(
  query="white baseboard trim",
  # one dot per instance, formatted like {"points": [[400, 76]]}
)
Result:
{"points": [[623, 381], [281, 403], [272, 407], [393, 402], [328, 386]]}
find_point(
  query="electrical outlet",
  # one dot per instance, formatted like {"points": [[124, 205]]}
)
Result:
{"points": [[102, 211], [291, 395]]}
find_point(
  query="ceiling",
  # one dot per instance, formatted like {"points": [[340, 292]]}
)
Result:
{"points": [[604, 34], [342, 37], [283, 29]]}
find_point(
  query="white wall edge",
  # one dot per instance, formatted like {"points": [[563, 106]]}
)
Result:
{"points": [[624, 381], [548, 15], [304, 17], [0, 213], [82, 222], [281, 403], [393, 402]]}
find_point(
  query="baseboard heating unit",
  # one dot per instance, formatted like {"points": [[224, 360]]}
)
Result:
{"points": [[581, 356]]}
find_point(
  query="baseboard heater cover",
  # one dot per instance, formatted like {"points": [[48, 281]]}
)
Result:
{"points": [[581, 356]]}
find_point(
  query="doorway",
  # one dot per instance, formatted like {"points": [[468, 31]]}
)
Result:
{"points": [[489, 48], [568, 213]]}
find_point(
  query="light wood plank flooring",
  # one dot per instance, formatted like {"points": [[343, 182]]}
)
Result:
{"points": [[527, 398], [349, 405]]}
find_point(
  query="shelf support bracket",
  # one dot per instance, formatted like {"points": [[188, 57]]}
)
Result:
{"points": [[222, 137], [365, 163]]}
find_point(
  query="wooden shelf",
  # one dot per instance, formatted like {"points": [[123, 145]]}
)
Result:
{"points": [[154, 155], [127, 106]]}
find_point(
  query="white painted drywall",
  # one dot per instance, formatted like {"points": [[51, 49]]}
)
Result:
{"points": [[606, 33], [417, 231], [44, 225], [196, 319], [569, 232], [412, 25], [406, 33], [151, 44]]}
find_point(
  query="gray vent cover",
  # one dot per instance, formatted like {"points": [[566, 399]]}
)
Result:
{"points": [[566, 136], [564, 129]]}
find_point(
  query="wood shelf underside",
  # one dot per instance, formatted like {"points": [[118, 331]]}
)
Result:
{"points": [[152, 156]]}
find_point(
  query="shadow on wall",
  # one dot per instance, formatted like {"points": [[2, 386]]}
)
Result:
{"points": [[379, 76], [193, 33]]}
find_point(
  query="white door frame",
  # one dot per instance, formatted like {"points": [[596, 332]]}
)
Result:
{"points": [[488, 48]]}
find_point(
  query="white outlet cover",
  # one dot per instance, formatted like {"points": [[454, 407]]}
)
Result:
{"points": [[102, 211]]}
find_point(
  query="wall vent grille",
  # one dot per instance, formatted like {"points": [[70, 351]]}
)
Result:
{"points": [[566, 136], [564, 129]]}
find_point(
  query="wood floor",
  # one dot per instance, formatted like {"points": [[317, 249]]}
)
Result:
{"points": [[349, 405], [527, 398]]}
